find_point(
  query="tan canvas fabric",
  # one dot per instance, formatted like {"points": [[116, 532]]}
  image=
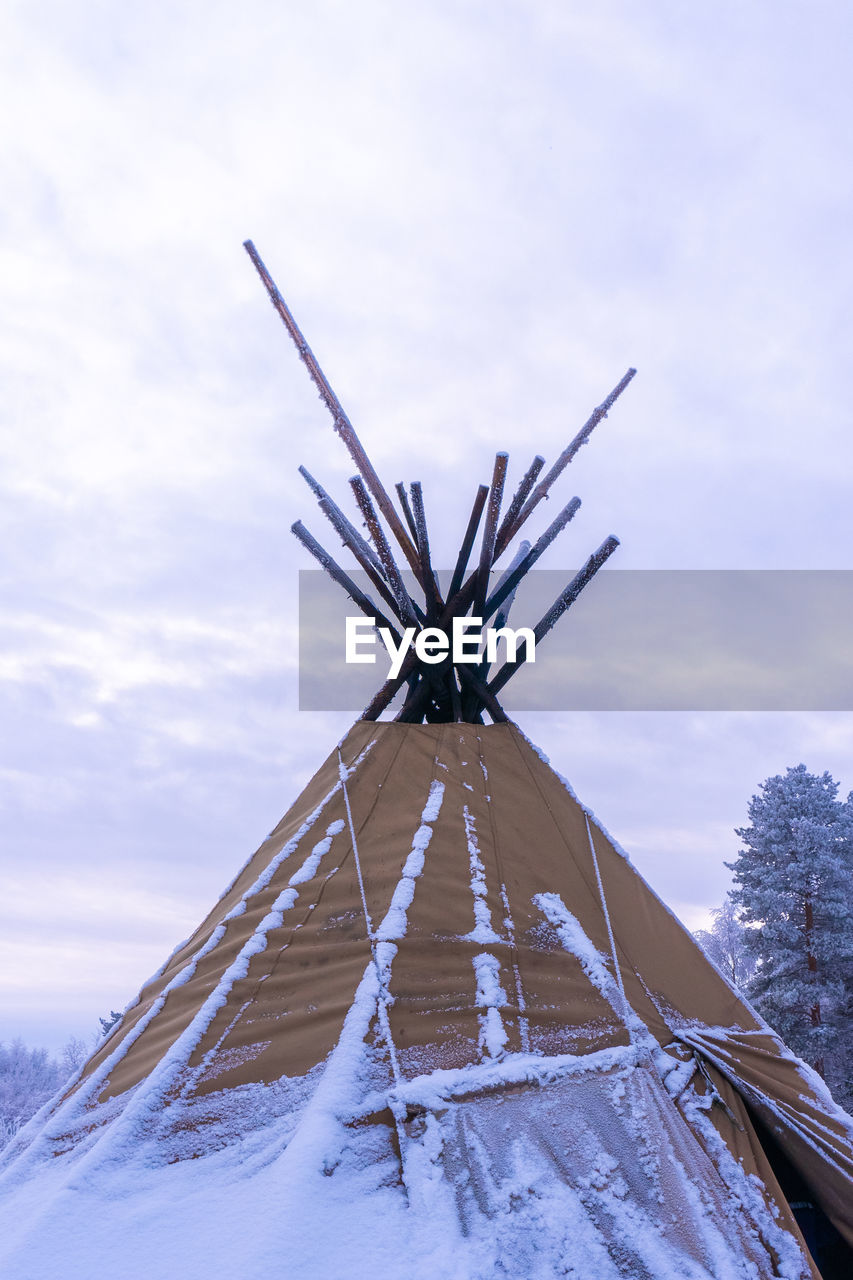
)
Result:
{"points": [[488, 893], [283, 1015]]}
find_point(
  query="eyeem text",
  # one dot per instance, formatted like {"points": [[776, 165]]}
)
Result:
{"points": [[432, 644]]}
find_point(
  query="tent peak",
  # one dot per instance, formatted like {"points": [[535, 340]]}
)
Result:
{"points": [[440, 686]]}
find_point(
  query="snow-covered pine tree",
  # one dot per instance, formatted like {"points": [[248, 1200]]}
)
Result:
{"points": [[727, 945], [107, 1024], [28, 1077], [794, 889]]}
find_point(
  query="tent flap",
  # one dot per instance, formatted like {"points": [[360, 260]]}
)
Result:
{"points": [[795, 1105]]}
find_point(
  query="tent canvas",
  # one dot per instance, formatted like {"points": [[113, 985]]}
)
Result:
{"points": [[467, 1040]]}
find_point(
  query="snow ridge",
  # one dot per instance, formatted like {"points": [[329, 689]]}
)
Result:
{"points": [[594, 964], [70, 1110], [151, 1095], [491, 997], [393, 927], [483, 930], [317, 1141], [509, 925]]}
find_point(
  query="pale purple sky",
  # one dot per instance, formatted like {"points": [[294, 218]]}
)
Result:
{"points": [[481, 215]]}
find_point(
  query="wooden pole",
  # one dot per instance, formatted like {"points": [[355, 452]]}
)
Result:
{"points": [[353, 540], [434, 602], [575, 587], [458, 603], [487, 549], [455, 700], [511, 579], [505, 604], [386, 558], [343, 526], [482, 670], [483, 693], [342, 578], [564, 600], [541, 490], [413, 708], [519, 498], [390, 688], [407, 510], [342, 424], [477, 694], [468, 540], [527, 562]]}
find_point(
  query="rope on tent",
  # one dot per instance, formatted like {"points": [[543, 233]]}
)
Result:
{"points": [[382, 1001], [343, 774], [714, 1092], [383, 997], [616, 970]]}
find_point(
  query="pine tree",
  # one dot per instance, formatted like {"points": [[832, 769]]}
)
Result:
{"points": [[107, 1024], [794, 889], [727, 945]]}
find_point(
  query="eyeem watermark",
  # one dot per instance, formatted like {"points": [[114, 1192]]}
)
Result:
{"points": [[636, 640], [464, 643]]}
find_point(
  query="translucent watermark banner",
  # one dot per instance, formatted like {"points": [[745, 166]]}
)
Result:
{"points": [[635, 640]]}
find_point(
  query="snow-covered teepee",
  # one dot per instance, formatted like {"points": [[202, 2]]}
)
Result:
{"points": [[437, 1025]]}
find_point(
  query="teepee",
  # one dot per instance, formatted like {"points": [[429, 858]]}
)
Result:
{"points": [[438, 1024]]}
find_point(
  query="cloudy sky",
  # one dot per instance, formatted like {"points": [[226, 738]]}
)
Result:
{"points": [[481, 214]]}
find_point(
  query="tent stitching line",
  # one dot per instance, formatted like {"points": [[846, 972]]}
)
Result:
{"points": [[306, 915], [195, 1075]]}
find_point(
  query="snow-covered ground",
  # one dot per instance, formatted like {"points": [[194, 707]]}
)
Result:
{"points": [[576, 1167]]}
